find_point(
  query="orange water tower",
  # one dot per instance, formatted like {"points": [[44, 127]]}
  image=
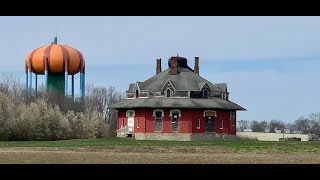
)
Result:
{"points": [[55, 61]]}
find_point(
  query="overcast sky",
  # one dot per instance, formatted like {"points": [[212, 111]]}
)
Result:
{"points": [[271, 64]]}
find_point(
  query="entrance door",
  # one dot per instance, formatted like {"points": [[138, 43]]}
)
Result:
{"points": [[209, 123], [175, 122], [131, 121]]}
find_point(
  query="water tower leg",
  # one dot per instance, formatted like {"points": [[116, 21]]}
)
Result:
{"points": [[30, 82], [72, 86], [27, 85], [83, 85], [80, 85], [36, 84]]}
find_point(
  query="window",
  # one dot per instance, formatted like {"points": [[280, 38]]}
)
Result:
{"points": [[138, 123], [158, 118], [122, 123], [198, 123], [205, 94], [232, 119], [168, 93], [130, 113], [221, 124], [137, 94], [175, 116]]}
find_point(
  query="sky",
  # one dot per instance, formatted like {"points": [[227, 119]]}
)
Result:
{"points": [[270, 64]]}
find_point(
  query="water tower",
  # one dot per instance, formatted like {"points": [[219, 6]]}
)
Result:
{"points": [[55, 61]]}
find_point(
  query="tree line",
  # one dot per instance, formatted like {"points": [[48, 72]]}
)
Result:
{"points": [[304, 125], [52, 116]]}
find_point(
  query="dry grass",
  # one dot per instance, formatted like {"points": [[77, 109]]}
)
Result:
{"points": [[147, 155]]}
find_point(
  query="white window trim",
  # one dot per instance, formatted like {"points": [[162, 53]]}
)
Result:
{"points": [[138, 123], [204, 113], [128, 112], [157, 110], [175, 110], [198, 123], [171, 93], [122, 123], [154, 116], [208, 93], [221, 123]]}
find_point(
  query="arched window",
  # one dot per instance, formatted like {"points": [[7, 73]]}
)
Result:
{"points": [[137, 94], [168, 92], [205, 94]]}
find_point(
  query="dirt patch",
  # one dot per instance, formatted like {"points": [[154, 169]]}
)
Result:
{"points": [[147, 155]]}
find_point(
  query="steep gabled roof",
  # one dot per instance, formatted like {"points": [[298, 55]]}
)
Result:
{"points": [[184, 80], [131, 86], [222, 86]]}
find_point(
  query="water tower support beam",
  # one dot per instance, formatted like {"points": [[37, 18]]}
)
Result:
{"points": [[36, 84], [30, 82], [72, 86], [27, 85], [83, 82], [66, 78]]}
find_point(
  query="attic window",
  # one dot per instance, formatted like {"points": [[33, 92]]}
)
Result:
{"points": [[137, 94], [168, 92], [205, 94]]}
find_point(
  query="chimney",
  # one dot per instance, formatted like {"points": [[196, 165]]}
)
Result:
{"points": [[196, 65], [174, 66], [158, 68]]}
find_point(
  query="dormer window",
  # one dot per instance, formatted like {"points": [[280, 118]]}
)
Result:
{"points": [[205, 94], [168, 92], [137, 94]]}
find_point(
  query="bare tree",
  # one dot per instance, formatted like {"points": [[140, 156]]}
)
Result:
{"points": [[315, 123], [243, 124], [276, 125], [259, 126], [303, 124]]}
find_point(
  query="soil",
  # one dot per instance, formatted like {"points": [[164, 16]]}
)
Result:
{"points": [[148, 155]]}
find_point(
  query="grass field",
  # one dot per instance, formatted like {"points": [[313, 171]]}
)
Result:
{"points": [[115, 150]]}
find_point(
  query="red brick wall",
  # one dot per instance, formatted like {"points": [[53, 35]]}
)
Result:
{"points": [[122, 117], [187, 121], [140, 116], [166, 124], [197, 114]]}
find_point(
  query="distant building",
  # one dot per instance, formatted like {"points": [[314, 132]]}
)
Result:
{"points": [[247, 130], [176, 104], [287, 131]]}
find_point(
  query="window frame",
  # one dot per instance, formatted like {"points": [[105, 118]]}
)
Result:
{"points": [[166, 93], [207, 97], [221, 124], [198, 124], [130, 111], [155, 119], [178, 121]]}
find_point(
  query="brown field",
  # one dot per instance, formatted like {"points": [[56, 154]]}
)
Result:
{"points": [[148, 155]]}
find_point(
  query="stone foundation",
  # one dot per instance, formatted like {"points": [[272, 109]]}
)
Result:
{"points": [[184, 137]]}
